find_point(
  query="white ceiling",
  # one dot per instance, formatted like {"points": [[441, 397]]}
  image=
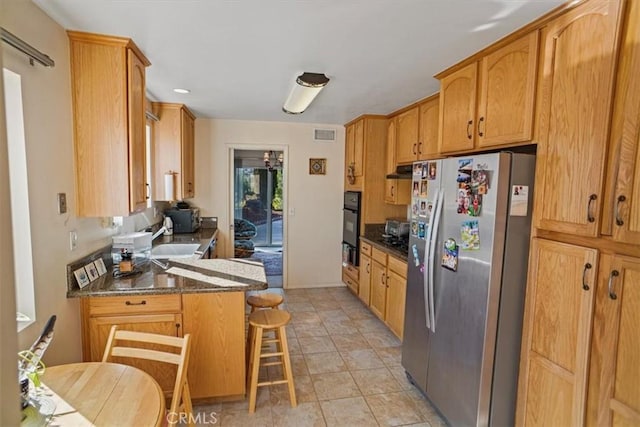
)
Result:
{"points": [[240, 58]]}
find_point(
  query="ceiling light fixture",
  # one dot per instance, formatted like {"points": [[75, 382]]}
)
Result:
{"points": [[179, 90], [307, 87]]}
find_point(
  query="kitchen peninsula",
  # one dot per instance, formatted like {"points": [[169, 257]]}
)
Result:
{"points": [[201, 297]]}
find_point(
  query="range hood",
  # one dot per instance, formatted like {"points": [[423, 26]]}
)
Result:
{"points": [[402, 172]]}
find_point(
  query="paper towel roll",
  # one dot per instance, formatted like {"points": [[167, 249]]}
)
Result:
{"points": [[169, 186]]}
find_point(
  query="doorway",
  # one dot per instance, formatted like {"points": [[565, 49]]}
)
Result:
{"points": [[258, 202]]}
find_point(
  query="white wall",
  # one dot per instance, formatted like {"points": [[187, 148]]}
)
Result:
{"points": [[49, 146], [314, 233], [10, 401]]}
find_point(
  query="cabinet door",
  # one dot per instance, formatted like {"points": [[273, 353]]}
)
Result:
{"points": [[458, 110], [407, 136], [378, 289], [391, 185], [621, 216], [217, 362], [164, 324], [364, 291], [428, 130], [578, 57], [556, 333], [394, 310], [615, 368], [507, 91], [138, 188], [358, 147], [188, 176]]}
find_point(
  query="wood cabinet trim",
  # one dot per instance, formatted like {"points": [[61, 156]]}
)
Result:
{"points": [[109, 40]]}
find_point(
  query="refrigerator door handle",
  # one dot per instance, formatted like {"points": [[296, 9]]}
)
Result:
{"points": [[435, 224], [427, 265]]}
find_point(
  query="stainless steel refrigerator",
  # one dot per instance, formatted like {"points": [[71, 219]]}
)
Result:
{"points": [[467, 272]]}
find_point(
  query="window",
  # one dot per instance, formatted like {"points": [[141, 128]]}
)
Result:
{"points": [[18, 184]]}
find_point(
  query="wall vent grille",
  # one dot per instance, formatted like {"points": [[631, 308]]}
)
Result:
{"points": [[324, 135]]}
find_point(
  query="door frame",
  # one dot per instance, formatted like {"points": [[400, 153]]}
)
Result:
{"points": [[285, 193]]}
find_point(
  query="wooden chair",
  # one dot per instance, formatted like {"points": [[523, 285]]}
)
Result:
{"points": [[181, 389]]}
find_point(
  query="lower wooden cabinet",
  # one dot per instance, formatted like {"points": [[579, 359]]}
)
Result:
{"points": [[214, 320], [164, 324], [552, 386], [383, 286], [378, 289], [350, 277], [364, 284], [614, 393]]}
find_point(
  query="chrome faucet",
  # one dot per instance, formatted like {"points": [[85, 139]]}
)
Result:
{"points": [[158, 233]]}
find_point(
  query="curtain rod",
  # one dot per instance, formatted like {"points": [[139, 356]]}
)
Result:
{"points": [[26, 48]]}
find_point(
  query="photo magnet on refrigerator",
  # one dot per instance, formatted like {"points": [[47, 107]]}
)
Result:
{"points": [[470, 236], [416, 258], [450, 255]]}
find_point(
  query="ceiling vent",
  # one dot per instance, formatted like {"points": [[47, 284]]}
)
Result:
{"points": [[324, 135]]}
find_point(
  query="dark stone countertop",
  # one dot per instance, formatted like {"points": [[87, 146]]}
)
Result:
{"points": [[373, 235], [180, 276]]}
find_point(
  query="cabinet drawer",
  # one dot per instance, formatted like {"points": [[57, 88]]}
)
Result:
{"points": [[365, 249], [350, 282], [379, 256], [398, 266], [135, 304], [352, 271]]}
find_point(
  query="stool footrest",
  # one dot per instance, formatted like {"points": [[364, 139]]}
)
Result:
{"points": [[271, 364], [271, 354], [272, 382]]}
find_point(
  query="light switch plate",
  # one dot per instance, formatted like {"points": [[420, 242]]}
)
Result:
{"points": [[62, 203]]}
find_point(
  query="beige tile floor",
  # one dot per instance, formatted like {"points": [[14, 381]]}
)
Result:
{"points": [[346, 368]]}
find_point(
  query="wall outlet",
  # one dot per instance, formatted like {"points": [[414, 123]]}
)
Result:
{"points": [[73, 240], [62, 203]]}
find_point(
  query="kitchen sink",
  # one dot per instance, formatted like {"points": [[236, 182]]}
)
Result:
{"points": [[174, 250]]}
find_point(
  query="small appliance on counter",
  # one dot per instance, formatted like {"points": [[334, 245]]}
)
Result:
{"points": [[397, 227], [184, 220]]}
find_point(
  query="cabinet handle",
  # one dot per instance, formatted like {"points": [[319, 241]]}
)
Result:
{"points": [[414, 148], [177, 329], [382, 279], [392, 195], [469, 123], [590, 216], [143, 302], [148, 196], [419, 147], [585, 286], [614, 274], [479, 123], [368, 265], [619, 220]]}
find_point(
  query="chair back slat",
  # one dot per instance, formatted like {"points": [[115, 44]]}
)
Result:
{"points": [[144, 353], [149, 338]]}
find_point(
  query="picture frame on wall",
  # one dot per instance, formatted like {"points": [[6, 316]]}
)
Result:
{"points": [[317, 166]]}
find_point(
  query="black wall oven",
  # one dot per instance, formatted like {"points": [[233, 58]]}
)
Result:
{"points": [[351, 228]]}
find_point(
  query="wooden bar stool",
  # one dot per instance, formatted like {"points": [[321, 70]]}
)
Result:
{"points": [[267, 300], [261, 301], [259, 322]]}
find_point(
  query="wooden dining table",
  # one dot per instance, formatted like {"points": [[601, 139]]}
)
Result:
{"points": [[103, 394]]}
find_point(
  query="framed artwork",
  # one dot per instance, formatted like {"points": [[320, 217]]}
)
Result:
{"points": [[82, 277], [92, 271], [317, 166], [100, 266]]}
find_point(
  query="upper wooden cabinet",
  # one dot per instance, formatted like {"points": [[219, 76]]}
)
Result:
{"points": [[173, 143], [621, 214], [490, 103], [552, 386], [579, 50], [417, 132], [354, 155], [108, 94], [397, 191]]}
